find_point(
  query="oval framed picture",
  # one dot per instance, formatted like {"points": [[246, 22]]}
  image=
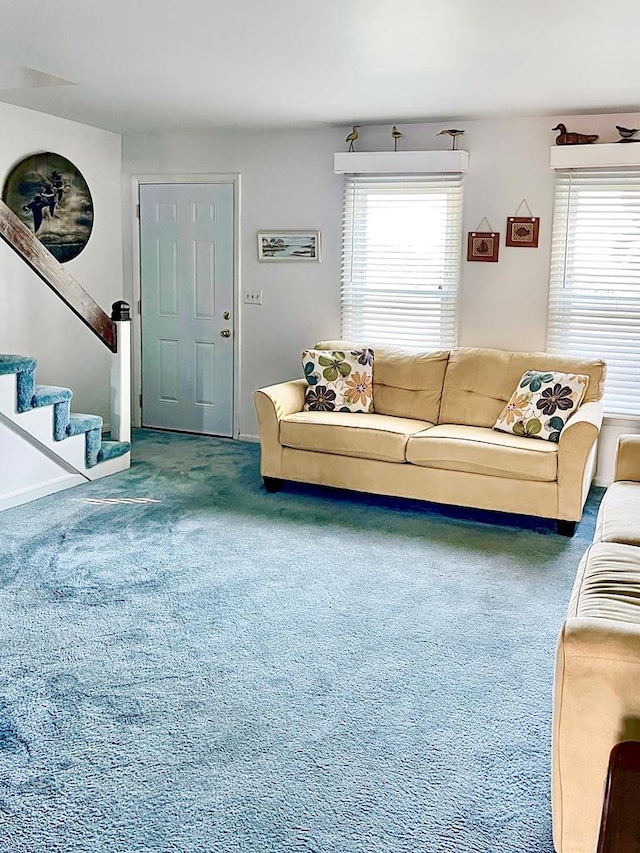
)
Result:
{"points": [[52, 198]]}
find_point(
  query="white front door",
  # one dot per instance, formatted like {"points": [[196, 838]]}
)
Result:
{"points": [[186, 259]]}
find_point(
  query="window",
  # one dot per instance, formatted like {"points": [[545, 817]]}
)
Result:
{"points": [[594, 297], [401, 259]]}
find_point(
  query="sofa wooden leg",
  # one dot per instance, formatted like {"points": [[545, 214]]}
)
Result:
{"points": [[272, 484], [620, 823], [566, 528]]}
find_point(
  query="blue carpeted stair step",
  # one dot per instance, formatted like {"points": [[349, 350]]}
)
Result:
{"points": [[96, 450], [91, 426], [16, 364], [83, 423], [60, 399], [26, 388], [113, 449], [49, 395], [24, 368]]}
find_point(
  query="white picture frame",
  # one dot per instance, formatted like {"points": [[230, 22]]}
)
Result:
{"points": [[276, 246]]}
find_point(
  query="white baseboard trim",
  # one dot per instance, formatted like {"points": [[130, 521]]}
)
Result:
{"points": [[111, 466], [32, 493]]}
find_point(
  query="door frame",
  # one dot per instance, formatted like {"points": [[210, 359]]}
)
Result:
{"points": [[136, 290]]}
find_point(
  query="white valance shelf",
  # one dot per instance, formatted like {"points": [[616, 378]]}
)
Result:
{"points": [[399, 162], [594, 156]]}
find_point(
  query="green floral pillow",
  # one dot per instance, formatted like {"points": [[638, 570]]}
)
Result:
{"points": [[338, 381], [542, 404]]}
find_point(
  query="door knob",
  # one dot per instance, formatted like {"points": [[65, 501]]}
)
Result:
{"points": [[225, 333]]}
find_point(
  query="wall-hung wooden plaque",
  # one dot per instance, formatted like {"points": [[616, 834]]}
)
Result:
{"points": [[523, 231], [483, 246], [49, 194]]}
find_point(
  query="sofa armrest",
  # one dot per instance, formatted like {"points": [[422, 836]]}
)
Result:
{"points": [[628, 458], [587, 420], [576, 459], [272, 404], [286, 397]]}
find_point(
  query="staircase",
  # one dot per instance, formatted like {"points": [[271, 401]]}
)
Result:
{"points": [[44, 447]]}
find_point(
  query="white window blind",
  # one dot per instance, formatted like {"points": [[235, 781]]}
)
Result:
{"points": [[594, 298], [401, 259]]}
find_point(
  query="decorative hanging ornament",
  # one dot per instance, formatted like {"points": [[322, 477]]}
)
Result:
{"points": [[522, 231], [483, 245]]}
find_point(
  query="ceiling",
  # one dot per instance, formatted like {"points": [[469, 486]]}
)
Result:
{"points": [[144, 65]]}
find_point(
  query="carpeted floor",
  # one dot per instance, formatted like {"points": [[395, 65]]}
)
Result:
{"points": [[190, 665]]}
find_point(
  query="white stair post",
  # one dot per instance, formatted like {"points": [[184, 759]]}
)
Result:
{"points": [[121, 373]]}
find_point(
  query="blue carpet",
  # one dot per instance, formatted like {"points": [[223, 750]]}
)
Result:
{"points": [[191, 665]]}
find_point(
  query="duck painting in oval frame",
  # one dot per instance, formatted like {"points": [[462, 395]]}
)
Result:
{"points": [[51, 197]]}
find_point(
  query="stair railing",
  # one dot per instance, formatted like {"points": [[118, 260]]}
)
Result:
{"points": [[114, 331]]}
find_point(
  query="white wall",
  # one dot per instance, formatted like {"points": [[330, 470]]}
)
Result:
{"points": [[288, 182], [33, 320], [27, 472]]}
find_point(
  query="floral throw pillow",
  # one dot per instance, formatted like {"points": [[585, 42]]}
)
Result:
{"points": [[542, 404], [338, 381]]}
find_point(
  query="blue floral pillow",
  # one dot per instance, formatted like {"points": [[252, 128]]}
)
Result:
{"points": [[338, 381], [542, 404]]}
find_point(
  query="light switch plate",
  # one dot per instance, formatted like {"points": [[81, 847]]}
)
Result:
{"points": [[253, 297]]}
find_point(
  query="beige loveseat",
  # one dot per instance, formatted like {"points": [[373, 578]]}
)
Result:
{"points": [[597, 680], [431, 436]]}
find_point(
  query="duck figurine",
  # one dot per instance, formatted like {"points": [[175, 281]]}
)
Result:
{"points": [[626, 133], [566, 137]]}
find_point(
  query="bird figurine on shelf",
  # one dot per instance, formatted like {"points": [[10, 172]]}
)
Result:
{"points": [[566, 137], [351, 138], [395, 135], [626, 133], [454, 134]]}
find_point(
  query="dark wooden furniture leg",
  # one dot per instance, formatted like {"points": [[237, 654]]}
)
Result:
{"points": [[272, 484], [620, 824], [566, 528]]}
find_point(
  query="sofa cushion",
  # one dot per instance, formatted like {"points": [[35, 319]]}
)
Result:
{"points": [[607, 583], [479, 450], [478, 382], [406, 384], [619, 514], [339, 380], [542, 403], [364, 436]]}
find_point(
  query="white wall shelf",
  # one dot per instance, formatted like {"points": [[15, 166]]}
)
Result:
{"points": [[399, 162], [594, 155]]}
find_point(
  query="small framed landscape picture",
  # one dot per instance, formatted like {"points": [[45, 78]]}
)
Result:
{"points": [[288, 245]]}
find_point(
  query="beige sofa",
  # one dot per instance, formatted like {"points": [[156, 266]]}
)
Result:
{"points": [[597, 679], [431, 436]]}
